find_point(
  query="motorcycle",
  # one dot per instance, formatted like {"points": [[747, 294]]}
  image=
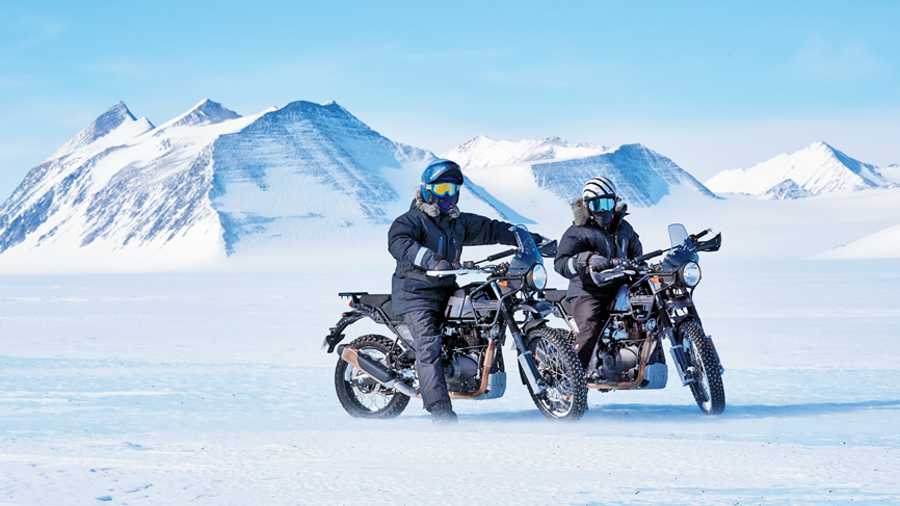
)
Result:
{"points": [[654, 302], [375, 376]]}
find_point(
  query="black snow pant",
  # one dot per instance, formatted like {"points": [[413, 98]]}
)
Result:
{"points": [[590, 314], [425, 327]]}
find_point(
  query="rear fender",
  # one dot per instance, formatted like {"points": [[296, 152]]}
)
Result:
{"points": [[336, 333]]}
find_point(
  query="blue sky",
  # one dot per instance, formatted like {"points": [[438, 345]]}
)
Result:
{"points": [[713, 85]]}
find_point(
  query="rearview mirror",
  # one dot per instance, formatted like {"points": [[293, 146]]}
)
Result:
{"points": [[677, 234]]}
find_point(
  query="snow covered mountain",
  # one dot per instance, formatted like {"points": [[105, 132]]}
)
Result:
{"points": [[787, 190], [113, 127], [543, 176], [205, 112], [205, 184], [642, 176], [818, 168], [482, 151]]}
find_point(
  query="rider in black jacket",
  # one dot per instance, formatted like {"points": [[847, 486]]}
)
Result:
{"points": [[431, 236], [598, 239]]}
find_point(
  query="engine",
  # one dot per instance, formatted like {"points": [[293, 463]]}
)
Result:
{"points": [[463, 347], [618, 361]]}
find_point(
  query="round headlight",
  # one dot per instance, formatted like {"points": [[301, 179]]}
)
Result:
{"points": [[690, 274], [537, 277]]}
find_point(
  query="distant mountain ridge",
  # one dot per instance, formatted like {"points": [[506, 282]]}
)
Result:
{"points": [[483, 151], [819, 168], [643, 176], [210, 181]]}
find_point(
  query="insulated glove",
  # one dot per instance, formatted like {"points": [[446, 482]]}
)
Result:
{"points": [[581, 261], [441, 265], [600, 262]]}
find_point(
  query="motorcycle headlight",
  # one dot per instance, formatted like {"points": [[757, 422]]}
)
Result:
{"points": [[537, 277], [690, 274]]}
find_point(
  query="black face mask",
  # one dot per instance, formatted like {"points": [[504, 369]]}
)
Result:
{"points": [[603, 218]]}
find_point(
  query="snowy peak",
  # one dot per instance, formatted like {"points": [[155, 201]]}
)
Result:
{"points": [[117, 118], [205, 112], [818, 168], [482, 151], [330, 112], [787, 190]]}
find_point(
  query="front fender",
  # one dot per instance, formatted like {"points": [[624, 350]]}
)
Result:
{"points": [[538, 308], [533, 324], [681, 309]]}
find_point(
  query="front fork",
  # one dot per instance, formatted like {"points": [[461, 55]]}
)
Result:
{"points": [[679, 357], [525, 357]]}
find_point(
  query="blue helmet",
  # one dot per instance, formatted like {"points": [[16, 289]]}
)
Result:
{"points": [[440, 184]]}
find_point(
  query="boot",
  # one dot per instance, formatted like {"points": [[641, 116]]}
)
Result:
{"points": [[442, 413]]}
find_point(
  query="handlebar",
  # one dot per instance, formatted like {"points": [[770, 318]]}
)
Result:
{"points": [[498, 256], [648, 256], [454, 272]]}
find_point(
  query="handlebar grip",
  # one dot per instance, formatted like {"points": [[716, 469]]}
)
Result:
{"points": [[603, 277], [648, 256], [502, 254], [701, 234]]}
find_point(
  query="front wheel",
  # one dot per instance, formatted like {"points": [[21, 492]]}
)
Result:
{"points": [[566, 395], [360, 395], [707, 387]]}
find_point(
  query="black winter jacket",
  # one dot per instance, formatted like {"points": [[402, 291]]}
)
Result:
{"points": [[421, 237], [618, 241]]}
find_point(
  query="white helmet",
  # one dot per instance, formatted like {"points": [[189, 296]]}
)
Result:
{"points": [[598, 187]]}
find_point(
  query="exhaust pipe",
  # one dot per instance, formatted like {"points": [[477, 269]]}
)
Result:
{"points": [[378, 372]]}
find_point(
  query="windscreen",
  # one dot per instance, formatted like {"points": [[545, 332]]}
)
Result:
{"points": [[677, 234]]}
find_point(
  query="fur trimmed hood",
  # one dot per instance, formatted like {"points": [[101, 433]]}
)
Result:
{"points": [[581, 216], [433, 210]]}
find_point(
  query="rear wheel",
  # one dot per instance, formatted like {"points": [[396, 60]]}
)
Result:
{"points": [[708, 390], [360, 395], [559, 367]]}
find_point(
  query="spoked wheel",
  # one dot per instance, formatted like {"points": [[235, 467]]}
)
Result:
{"points": [[560, 369], [360, 395], [708, 390]]}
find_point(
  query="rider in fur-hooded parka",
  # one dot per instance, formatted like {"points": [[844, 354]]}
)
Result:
{"points": [[585, 238]]}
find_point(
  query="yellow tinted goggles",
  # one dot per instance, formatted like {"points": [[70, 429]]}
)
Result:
{"points": [[443, 189]]}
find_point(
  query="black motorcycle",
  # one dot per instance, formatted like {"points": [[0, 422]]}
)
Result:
{"points": [[375, 376], [655, 302]]}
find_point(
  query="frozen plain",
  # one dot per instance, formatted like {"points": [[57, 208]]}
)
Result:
{"points": [[210, 388]]}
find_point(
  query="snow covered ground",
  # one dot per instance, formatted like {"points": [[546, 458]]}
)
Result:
{"points": [[210, 388]]}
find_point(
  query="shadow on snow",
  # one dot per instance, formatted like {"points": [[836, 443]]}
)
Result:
{"points": [[670, 412]]}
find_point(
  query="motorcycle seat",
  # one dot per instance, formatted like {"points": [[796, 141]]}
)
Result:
{"points": [[553, 295], [382, 301]]}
